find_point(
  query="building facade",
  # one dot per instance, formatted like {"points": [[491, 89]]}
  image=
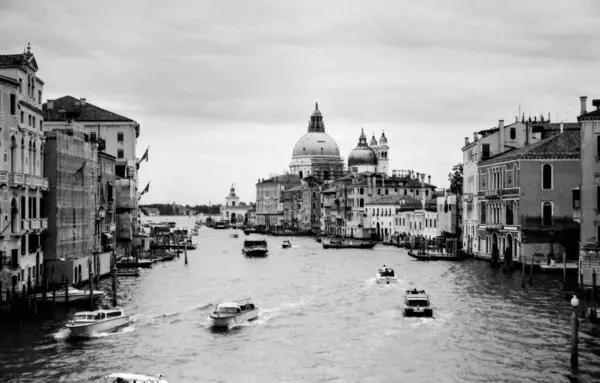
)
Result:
{"points": [[106, 223], [269, 201], [234, 212], [525, 200], [23, 183], [316, 153], [586, 198]]}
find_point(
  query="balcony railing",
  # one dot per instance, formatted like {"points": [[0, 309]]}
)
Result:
{"points": [[3, 177], [45, 184], [492, 193], [35, 224], [27, 180], [44, 223], [24, 224], [17, 178]]}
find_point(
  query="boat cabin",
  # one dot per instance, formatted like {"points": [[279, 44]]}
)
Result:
{"points": [[255, 243], [93, 316], [229, 308], [121, 377], [416, 298], [387, 272]]}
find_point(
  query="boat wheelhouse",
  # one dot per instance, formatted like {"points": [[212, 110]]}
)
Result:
{"points": [[255, 248], [386, 275], [416, 303], [235, 312], [86, 323]]}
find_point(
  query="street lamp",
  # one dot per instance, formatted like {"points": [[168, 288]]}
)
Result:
{"points": [[574, 333]]}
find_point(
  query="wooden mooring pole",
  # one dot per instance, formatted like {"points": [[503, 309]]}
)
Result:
{"points": [[531, 271], [114, 279], [574, 334], [91, 279], [523, 274]]}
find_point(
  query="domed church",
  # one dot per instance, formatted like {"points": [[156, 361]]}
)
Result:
{"points": [[370, 157], [316, 153]]}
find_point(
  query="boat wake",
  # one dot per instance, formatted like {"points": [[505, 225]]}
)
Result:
{"points": [[266, 315], [64, 333]]}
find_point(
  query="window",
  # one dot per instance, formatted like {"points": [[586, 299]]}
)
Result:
{"points": [[41, 125], [120, 137], [22, 117], [485, 151], [513, 133], [547, 214], [482, 210], [40, 96], [547, 177], [576, 199], [93, 136], [120, 153], [598, 145], [509, 213]]}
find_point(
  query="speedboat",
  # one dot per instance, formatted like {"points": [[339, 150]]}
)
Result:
{"points": [[386, 275], [231, 313], [86, 323], [124, 377], [286, 244], [255, 248], [74, 295], [416, 303]]}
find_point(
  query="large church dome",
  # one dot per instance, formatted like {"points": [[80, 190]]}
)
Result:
{"points": [[316, 142], [362, 154]]}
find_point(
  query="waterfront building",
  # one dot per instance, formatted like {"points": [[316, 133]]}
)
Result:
{"points": [[252, 215], [234, 212], [120, 135], [72, 169], [586, 198], [381, 215], [343, 201], [106, 224], [302, 206], [447, 212], [381, 150], [524, 199], [316, 153], [23, 183], [269, 203], [417, 218]]}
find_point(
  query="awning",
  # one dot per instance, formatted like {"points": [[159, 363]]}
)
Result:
{"points": [[107, 235]]}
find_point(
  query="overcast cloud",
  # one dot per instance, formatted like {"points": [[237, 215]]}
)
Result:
{"points": [[223, 89]]}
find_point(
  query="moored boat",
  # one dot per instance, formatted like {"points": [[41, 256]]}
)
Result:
{"points": [[125, 377], [554, 267], [231, 313], [130, 272], [416, 303], [74, 295], [128, 262], [256, 248], [386, 275], [86, 323], [286, 244], [422, 256], [348, 244]]}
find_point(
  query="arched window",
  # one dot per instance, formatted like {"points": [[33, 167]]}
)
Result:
{"points": [[513, 133], [547, 177], [300, 174], [547, 214], [362, 191], [361, 202]]}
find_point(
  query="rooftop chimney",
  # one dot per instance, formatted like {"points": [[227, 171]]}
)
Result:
{"points": [[418, 175], [429, 179], [474, 136], [583, 100], [501, 135], [596, 103], [466, 141], [561, 127], [83, 102], [50, 104]]}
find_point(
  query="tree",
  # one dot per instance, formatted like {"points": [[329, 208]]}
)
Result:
{"points": [[456, 179]]}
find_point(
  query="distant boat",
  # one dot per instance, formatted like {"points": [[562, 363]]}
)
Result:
{"points": [[220, 225], [133, 378], [286, 244], [386, 275], [230, 313], [257, 248], [348, 244], [554, 267]]}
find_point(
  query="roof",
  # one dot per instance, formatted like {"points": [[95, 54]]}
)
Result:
{"points": [[26, 58], [388, 200], [88, 112], [286, 178], [566, 145], [593, 115]]}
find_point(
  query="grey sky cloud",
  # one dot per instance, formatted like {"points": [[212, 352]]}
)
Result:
{"points": [[224, 89]]}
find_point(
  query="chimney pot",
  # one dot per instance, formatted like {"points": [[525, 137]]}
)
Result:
{"points": [[561, 127], [474, 136], [466, 141], [429, 179], [596, 103], [583, 100], [50, 104], [83, 102]]}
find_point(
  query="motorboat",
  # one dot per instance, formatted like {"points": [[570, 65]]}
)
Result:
{"points": [[386, 275], [435, 256], [232, 313], [130, 272], [86, 323], [74, 295], [286, 244], [256, 248], [554, 267], [318, 239], [124, 377], [128, 262], [416, 303], [348, 244]]}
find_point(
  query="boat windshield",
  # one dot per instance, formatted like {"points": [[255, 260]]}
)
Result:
{"points": [[227, 310], [84, 317], [418, 302]]}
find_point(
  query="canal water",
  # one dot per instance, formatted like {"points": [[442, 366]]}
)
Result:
{"points": [[322, 318]]}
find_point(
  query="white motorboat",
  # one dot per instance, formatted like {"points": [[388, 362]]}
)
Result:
{"points": [[386, 276], [554, 267], [124, 377], [232, 313], [75, 295], [86, 323], [416, 303], [256, 248]]}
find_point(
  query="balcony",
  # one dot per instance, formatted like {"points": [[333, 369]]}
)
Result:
{"points": [[27, 180], [3, 177], [24, 224], [467, 197], [494, 226], [35, 224], [493, 194], [17, 179], [44, 223], [511, 191]]}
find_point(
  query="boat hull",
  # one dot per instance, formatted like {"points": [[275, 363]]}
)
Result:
{"points": [[255, 252], [349, 246], [559, 268], [418, 312], [386, 280], [425, 257], [232, 320], [107, 325]]}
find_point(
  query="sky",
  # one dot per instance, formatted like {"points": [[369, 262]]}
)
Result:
{"points": [[223, 89]]}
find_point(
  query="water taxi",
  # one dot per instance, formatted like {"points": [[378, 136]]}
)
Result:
{"points": [[386, 275], [124, 377], [286, 244], [74, 295], [416, 303], [86, 323], [257, 248], [231, 313]]}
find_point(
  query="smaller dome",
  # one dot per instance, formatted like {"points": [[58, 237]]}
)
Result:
{"points": [[373, 141], [362, 154], [383, 139], [317, 112]]}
